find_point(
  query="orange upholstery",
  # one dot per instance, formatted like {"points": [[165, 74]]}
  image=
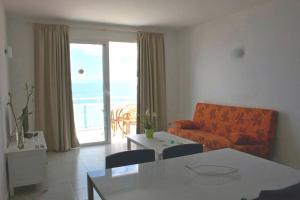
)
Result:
{"points": [[257, 150], [244, 138], [186, 124], [216, 126]]}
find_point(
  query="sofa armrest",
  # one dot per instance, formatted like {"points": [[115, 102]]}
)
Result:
{"points": [[186, 124], [244, 138]]}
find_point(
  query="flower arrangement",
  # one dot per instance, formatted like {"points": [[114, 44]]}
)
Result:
{"points": [[148, 123]]}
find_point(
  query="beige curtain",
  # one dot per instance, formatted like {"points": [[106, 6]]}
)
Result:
{"points": [[53, 95], [151, 79]]}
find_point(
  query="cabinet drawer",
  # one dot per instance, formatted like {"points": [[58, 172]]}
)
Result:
{"points": [[27, 168]]}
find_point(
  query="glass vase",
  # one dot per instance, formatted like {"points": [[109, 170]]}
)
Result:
{"points": [[149, 133], [20, 137], [25, 121]]}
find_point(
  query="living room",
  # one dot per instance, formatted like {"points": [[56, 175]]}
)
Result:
{"points": [[234, 53]]}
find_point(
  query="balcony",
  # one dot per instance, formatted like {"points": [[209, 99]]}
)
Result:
{"points": [[89, 120]]}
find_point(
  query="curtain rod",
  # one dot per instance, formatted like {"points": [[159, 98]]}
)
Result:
{"points": [[128, 30], [99, 27], [94, 27]]}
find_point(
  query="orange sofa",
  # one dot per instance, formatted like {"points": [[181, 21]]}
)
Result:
{"points": [[250, 130]]}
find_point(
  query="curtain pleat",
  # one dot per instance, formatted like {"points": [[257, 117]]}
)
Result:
{"points": [[151, 94], [53, 93]]}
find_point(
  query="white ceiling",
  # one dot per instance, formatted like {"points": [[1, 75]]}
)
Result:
{"points": [[166, 13]]}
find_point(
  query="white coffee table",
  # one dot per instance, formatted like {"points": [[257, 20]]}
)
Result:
{"points": [[160, 141]]}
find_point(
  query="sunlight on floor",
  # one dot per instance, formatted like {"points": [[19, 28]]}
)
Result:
{"points": [[90, 136], [97, 135]]}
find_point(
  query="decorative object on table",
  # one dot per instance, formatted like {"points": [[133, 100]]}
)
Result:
{"points": [[30, 135], [18, 123], [149, 132], [25, 113], [148, 122], [21, 122], [211, 170], [20, 135]]}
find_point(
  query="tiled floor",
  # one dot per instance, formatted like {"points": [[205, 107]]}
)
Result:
{"points": [[90, 135], [67, 173]]}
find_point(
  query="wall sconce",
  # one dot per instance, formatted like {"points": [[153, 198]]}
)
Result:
{"points": [[8, 52], [238, 52]]}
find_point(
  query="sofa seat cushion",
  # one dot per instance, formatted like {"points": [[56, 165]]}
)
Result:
{"points": [[244, 138], [210, 140], [185, 133]]}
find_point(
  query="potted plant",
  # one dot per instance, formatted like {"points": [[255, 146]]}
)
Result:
{"points": [[148, 123]]}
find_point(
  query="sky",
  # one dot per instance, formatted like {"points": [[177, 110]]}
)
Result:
{"points": [[122, 66], [122, 62]]}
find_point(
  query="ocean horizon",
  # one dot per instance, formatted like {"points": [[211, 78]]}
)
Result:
{"points": [[88, 101]]}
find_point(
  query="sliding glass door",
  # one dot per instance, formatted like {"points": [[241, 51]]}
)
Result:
{"points": [[104, 88], [123, 88], [89, 71]]}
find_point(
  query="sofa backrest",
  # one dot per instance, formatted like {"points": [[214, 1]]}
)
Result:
{"points": [[222, 120]]}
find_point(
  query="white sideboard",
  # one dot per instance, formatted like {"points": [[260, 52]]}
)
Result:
{"points": [[29, 165]]}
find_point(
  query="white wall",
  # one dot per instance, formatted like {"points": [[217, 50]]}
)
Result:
{"points": [[3, 101], [172, 77], [21, 66], [268, 76], [21, 71]]}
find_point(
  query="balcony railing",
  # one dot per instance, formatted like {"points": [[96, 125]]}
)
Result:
{"points": [[88, 113]]}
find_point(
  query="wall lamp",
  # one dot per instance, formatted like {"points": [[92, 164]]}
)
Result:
{"points": [[8, 52]]}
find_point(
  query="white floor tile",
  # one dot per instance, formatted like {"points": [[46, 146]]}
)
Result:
{"points": [[67, 173]]}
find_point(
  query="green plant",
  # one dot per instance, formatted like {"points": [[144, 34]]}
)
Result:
{"points": [[148, 119]]}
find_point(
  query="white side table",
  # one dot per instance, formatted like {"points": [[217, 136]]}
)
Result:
{"points": [[29, 165]]}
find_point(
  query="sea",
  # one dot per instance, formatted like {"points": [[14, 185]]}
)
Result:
{"points": [[88, 101]]}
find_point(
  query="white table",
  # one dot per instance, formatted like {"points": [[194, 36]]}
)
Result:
{"points": [[160, 141], [172, 178], [27, 166]]}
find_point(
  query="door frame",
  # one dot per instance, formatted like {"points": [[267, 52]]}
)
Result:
{"points": [[106, 90]]}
